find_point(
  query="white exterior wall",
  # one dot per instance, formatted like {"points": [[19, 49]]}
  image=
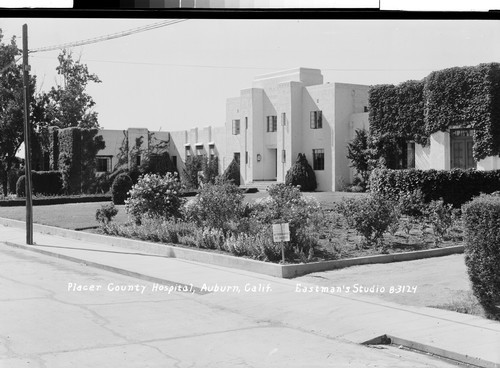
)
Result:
{"points": [[439, 157], [114, 140], [317, 98], [489, 163], [422, 157]]}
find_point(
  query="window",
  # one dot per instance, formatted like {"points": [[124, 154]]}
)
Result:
{"points": [[246, 122], [174, 162], [283, 118], [236, 127], [103, 164], [199, 150], [272, 123], [211, 149], [246, 157], [237, 157], [188, 151], [316, 119], [138, 160], [318, 159]]}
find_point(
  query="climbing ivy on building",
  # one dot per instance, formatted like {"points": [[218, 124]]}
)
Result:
{"points": [[463, 97]]}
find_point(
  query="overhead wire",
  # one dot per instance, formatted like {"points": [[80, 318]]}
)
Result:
{"points": [[110, 36]]}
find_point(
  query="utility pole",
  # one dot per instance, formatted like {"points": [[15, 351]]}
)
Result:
{"points": [[27, 145]]}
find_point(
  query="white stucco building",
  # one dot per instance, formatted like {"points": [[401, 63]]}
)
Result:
{"points": [[286, 113]]}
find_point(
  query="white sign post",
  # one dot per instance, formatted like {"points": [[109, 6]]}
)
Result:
{"points": [[281, 234]]}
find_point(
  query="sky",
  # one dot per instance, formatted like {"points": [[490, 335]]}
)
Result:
{"points": [[179, 76]]}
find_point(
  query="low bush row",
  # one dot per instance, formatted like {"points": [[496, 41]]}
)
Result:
{"points": [[44, 182], [454, 187]]}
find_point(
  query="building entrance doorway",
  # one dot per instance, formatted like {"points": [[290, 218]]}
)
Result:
{"points": [[461, 149]]}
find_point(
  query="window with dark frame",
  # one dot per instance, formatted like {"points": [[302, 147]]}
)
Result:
{"points": [[318, 159], [103, 164], [236, 127], [211, 149], [246, 122], [174, 162], [138, 160], [272, 123], [188, 151], [246, 157], [316, 119]]}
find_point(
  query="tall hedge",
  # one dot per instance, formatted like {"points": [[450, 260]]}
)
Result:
{"points": [[481, 219], [398, 111], [454, 186], [91, 143], [70, 156], [465, 97], [54, 148]]}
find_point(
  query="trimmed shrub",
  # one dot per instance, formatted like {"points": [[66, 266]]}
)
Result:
{"points": [[481, 218], [303, 214], [371, 216], [454, 186], [301, 174], [121, 185], [155, 196], [44, 182], [232, 173]]}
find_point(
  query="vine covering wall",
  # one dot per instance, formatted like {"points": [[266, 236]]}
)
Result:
{"points": [[466, 97]]}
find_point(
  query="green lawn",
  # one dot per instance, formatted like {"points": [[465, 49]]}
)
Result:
{"points": [[82, 215]]}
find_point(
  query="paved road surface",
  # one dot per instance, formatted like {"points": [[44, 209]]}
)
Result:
{"points": [[48, 321]]}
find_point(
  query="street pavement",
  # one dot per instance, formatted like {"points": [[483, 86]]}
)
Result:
{"points": [[56, 313]]}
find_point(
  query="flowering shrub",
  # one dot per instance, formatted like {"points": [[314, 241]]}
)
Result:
{"points": [[155, 196], [216, 206], [157, 230], [105, 214], [440, 217], [257, 246]]}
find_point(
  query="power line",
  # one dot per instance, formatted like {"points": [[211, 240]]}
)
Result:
{"points": [[110, 36], [239, 67]]}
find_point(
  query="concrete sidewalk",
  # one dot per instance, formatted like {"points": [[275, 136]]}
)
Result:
{"points": [[341, 314]]}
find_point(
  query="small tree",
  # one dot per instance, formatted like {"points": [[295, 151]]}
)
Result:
{"points": [[360, 154], [190, 173], [121, 185], [210, 168], [301, 174], [232, 172]]}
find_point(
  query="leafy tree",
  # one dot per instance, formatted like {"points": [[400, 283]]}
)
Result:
{"points": [[192, 167], [361, 154], [11, 108], [302, 174], [67, 104]]}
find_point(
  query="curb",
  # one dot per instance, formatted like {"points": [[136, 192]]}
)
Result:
{"points": [[266, 268], [428, 349], [179, 286]]}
